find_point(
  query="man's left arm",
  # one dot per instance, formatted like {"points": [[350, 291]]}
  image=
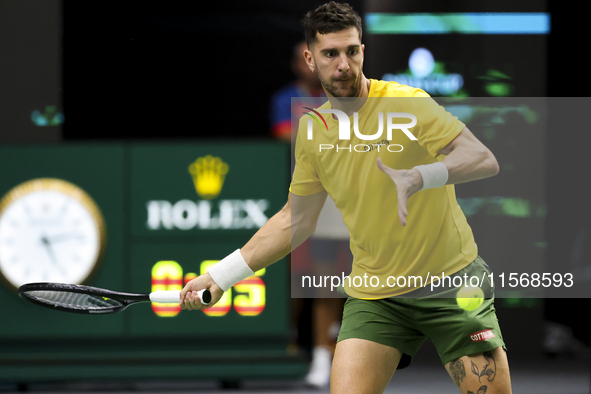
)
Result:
{"points": [[467, 159]]}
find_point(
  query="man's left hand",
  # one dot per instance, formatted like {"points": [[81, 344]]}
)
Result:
{"points": [[408, 182]]}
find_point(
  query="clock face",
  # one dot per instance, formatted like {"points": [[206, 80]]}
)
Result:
{"points": [[50, 231]]}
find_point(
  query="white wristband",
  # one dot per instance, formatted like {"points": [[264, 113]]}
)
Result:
{"points": [[434, 175], [230, 270]]}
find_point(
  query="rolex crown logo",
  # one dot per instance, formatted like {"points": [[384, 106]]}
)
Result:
{"points": [[208, 175]]}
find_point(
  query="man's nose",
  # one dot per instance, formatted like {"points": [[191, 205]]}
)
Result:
{"points": [[343, 63]]}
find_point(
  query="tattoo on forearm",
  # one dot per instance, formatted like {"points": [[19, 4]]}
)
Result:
{"points": [[489, 369], [457, 371], [481, 390]]}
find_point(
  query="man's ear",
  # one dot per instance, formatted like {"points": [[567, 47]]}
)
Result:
{"points": [[309, 59]]}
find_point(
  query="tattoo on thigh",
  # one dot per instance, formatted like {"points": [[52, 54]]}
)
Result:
{"points": [[489, 369], [481, 390], [457, 371]]}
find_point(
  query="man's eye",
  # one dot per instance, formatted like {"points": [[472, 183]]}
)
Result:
{"points": [[330, 54], [353, 52]]}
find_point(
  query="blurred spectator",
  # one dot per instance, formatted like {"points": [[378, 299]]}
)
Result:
{"points": [[330, 243], [331, 254]]}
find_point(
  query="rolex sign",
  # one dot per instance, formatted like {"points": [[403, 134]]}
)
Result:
{"points": [[207, 187], [223, 214]]}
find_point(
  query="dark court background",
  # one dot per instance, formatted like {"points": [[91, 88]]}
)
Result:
{"points": [[186, 71]]}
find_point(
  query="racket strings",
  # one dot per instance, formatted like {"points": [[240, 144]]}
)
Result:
{"points": [[71, 300]]}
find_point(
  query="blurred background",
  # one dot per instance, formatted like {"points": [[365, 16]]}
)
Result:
{"points": [[121, 99]]}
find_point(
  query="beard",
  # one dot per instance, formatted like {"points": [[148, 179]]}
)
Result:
{"points": [[330, 87]]}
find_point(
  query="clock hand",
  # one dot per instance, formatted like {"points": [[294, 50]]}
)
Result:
{"points": [[51, 254]]}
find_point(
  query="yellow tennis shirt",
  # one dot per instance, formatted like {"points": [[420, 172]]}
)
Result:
{"points": [[389, 259]]}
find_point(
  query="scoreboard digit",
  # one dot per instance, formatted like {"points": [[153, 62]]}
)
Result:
{"points": [[250, 299]]}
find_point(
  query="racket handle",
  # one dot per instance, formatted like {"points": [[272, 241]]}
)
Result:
{"points": [[172, 296]]}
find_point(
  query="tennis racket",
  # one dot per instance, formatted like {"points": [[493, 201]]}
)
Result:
{"points": [[93, 300]]}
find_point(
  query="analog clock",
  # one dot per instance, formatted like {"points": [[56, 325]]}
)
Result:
{"points": [[50, 231]]}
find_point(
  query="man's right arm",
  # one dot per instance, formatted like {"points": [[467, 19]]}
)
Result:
{"points": [[283, 232]]}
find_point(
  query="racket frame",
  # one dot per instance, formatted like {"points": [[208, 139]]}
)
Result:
{"points": [[126, 299]]}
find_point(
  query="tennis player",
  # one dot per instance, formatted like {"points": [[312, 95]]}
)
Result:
{"points": [[403, 218]]}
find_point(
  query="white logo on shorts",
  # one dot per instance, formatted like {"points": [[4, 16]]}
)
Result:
{"points": [[482, 335]]}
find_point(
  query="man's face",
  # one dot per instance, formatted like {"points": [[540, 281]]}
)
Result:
{"points": [[337, 59]]}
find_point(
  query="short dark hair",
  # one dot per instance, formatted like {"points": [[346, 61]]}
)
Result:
{"points": [[329, 18]]}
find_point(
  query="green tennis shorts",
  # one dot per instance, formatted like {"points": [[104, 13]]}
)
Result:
{"points": [[405, 323]]}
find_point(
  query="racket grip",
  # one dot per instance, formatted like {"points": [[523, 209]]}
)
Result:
{"points": [[172, 296]]}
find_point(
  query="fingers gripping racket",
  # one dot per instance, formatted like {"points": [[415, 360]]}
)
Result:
{"points": [[93, 300]]}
